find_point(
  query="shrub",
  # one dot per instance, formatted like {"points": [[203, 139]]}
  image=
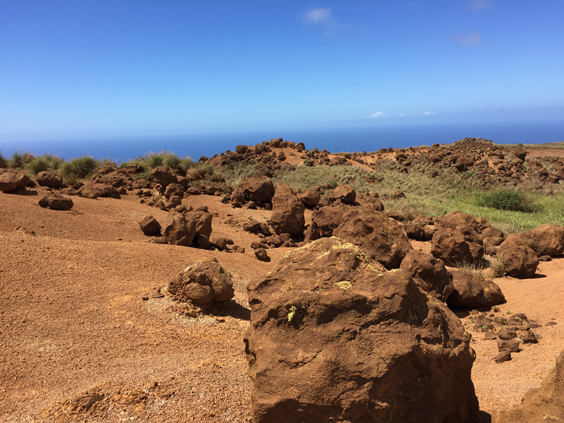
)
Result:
{"points": [[37, 165], [80, 168], [510, 200], [164, 159], [17, 161], [3, 161]]}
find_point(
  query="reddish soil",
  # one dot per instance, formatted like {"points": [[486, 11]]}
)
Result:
{"points": [[78, 342]]}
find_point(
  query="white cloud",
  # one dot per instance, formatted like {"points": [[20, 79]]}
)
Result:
{"points": [[317, 15], [468, 40], [426, 114], [377, 115], [479, 5]]}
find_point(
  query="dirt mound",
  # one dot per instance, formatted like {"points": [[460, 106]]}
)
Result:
{"points": [[333, 338]]}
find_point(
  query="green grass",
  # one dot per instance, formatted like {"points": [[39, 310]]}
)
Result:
{"points": [[235, 174], [3, 161], [43, 163], [80, 168], [164, 159]]}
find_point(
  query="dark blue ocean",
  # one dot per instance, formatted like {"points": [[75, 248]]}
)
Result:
{"points": [[335, 140]]}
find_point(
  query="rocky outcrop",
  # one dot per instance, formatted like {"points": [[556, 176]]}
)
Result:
{"points": [[471, 291], [430, 274], [334, 337], [287, 212], [202, 283], [56, 202]]}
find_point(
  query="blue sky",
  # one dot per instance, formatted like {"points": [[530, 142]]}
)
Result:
{"points": [[136, 67]]}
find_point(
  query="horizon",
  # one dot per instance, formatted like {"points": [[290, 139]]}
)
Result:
{"points": [[101, 69]]}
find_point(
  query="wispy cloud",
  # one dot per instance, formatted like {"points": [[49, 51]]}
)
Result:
{"points": [[479, 5], [377, 115], [323, 17], [427, 114], [467, 40], [317, 15]]}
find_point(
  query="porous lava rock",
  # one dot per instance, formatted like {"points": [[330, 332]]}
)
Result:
{"points": [[178, 231], [95, 190], [49, 179], [457, 218], [471, 291], [327, 218], [345, 193], [56, 202], [287, 211], [202, 221], [164, 176], [310, 197], [12, 180], [518, 261], [451, 247], [545, 240], [150, 226], [381, 238], [259, 188], [334, 337], [202, 283], [429, 272]]}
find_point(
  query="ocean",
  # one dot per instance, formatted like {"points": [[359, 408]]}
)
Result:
{"points": [[335, 140]]}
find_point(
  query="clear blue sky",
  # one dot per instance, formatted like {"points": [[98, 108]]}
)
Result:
{"points": [[133, 67]]}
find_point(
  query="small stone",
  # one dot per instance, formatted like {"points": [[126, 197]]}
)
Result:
{"points": [[545, 258], [506, 334], [502, 357], [512, 345], [550, 324], [261, 254], [529, 338], [488, 336]]}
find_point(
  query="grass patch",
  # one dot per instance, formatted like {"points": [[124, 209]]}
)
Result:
{"points": [[510, 200], [234, 174], [43, 163], [79, 168], [3, 161], [164, 159]]}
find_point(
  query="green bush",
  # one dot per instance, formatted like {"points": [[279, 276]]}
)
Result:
{"points": [[164, 159], [3, 161], [17, 161], [43, 163], [80, 168], [510, 200]]}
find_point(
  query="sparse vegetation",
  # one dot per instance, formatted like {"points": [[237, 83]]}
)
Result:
{"points": [[43, 163], [79, 168], [164, 159], [3, 161]]}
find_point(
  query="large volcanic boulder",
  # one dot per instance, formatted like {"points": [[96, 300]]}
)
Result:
{"points": [[287, 212], [94, 190], [179, 231], [56, 202], [310, 197], [452, 247], [259, 188], [540, 405], [545, 240], [474, 292], [150, 226], [345, 193], [457, 218], [164, 176], [202, 283], [379, 236], [429, 272], [12, 180], [518, 261], [49, 179], [327, 218], [202, 221], [334, 337]]}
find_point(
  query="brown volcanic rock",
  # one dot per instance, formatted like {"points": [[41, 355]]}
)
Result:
{"points": [[334, 339], [11, 180], [327, 218], [94, 190], [288, 211], [451, 247], [310, 197], [457, 218], [518, 261], [545, 240], [201, 220], [202, 283], [430, 274], [164, 176], [150, 226], [381, 238], [56, 202], [541, 405], [178, 231], [258, 188], [345, 193], [49, 179], [474, 292]]}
